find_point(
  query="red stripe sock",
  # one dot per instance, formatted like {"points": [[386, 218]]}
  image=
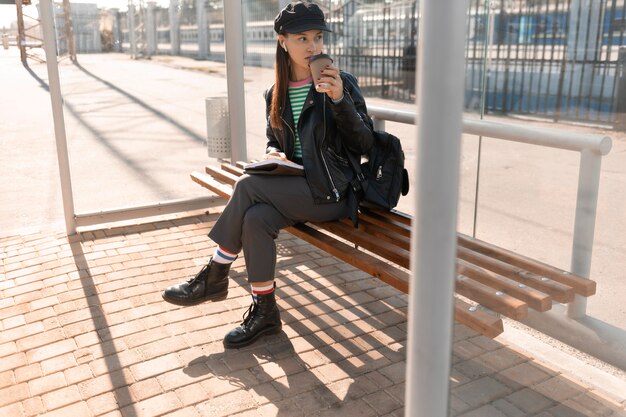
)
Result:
{"points": [[261, 290]]}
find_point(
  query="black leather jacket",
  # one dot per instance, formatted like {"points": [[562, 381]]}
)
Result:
{"points": [[327, 131]]}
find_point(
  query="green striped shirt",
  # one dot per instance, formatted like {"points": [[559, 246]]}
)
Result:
{"points": [[298, 90]]}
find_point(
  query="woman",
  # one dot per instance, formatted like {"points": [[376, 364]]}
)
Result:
{"points": [[315, 127]]}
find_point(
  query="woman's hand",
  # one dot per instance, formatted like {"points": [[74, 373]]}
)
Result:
{"points": [[330, 83], [275, 155]]}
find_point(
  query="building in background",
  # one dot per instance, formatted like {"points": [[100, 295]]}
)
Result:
{"points": [[85, 19]]}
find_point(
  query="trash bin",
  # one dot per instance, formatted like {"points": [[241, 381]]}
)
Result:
{"points": [[218, 127]]}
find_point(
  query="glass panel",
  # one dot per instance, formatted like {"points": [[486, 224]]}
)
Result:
{"points": [[260, 49], [555, 64], [136, 127]]}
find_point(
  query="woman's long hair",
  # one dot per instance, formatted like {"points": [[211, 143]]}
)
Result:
{"points": [[281, 84]]}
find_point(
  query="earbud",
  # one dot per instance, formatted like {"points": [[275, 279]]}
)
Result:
{"points": [[284, 47]]}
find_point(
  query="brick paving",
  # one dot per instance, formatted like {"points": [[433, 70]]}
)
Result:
{"points": [[84, 332]]}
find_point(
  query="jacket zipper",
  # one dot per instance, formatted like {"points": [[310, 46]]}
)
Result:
{"points": [[292, 132], [330, 178]]}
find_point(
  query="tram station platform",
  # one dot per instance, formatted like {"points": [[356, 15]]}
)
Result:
{"points": [[84, 331]]}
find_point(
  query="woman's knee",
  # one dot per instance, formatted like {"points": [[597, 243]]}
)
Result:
{"points": [[262, 218], [250, 182]]}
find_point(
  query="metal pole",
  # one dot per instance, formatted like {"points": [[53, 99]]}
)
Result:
{"points": [[233, 40], [115, 29], [203, 43], [620, 102], [49, 36], [151, 32], [174, 28], [132, 38], [69, 32], [584, 224], [433, 254], [21, 31]]}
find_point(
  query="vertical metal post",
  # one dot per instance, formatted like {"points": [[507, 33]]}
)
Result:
{"points": [[433, 253], [49, 42], [581, 51], [116, 39], [174, 28], [584, 224], [620, 104], [132, 38], [203, 44], [21, 31], [69, 32], [151, 29], [233, 40]]}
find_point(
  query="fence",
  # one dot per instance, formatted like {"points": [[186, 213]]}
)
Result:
{"points": [[557, 59], [554, 58]]}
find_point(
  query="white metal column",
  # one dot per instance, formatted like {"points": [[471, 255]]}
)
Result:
{"points": [[233, 40], [174, 28], [151, 29], [433, 253], [203, 35], [49, 43], [584, 224], [132, 35]]}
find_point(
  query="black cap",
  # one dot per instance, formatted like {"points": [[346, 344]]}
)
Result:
{"points": [[299, 17]]}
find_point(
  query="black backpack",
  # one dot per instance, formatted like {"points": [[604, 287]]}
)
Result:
{"points": [[382, 178]]}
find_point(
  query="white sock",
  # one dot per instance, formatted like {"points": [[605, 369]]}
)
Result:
{"points": [[222, 256]]}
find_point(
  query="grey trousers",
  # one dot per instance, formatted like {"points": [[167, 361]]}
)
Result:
{"points": [[259, 207]]}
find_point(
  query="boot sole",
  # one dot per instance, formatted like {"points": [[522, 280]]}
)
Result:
{"points": [[270, 331], [214, 297]]}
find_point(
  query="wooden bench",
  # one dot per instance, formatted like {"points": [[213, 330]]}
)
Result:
{"points": [[490, 282]]}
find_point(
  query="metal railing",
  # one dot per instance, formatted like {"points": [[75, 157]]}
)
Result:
{"points": [[591, 148], [570, 323]]}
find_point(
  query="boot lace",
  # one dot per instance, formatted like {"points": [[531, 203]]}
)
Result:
{"points": [[200, 276], [249, 314]]}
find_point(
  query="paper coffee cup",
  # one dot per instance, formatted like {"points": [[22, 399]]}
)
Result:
{"points": [[317, 63]]}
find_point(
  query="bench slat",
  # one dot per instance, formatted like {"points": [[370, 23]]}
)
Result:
{"points": [[394, 215], [232, 169], [561, 293], [394, 254], [582, 286], [212, 184], [221, 175], [536, 300], [487, 296], [365, 262], [381, 233], [473, 318], [401, 257], [477, 319], [362, 236], [386, 222]]}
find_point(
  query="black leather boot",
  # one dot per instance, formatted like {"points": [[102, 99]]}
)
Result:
{"points": [[261, 318], [211, 284]]}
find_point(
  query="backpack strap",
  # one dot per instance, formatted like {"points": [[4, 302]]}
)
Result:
{"points": [[358, 183]]}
